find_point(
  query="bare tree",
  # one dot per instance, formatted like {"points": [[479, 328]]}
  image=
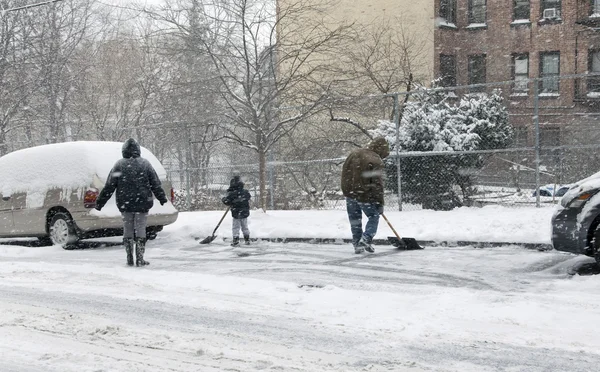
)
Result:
{"points": [[16, 84], [121, 77], [387, 56], [57, 31], [270, 72], [189, 104], [375, 59]]}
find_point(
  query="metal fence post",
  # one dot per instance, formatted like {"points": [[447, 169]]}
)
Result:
{"points": [[398, 167], [188, 173], [271, 180], [536, 122]]}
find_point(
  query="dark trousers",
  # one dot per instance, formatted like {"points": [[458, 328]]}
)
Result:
{"points": [[355, 210]]}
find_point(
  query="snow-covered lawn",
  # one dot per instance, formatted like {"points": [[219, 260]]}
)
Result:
{"points": [[303, 307]]}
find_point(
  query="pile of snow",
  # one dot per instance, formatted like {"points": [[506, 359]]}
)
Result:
{"points": [[487, 224]]}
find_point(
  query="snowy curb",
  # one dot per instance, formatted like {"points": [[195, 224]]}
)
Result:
{"points": [[424, 243]]}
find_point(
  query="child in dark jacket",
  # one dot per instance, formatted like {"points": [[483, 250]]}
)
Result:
{"points": [[238, 200]]}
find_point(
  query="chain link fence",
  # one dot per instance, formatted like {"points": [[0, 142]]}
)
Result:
{"points": [[554, 142]]}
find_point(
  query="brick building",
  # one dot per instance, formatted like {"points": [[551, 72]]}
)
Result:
{"points": [[483, 41]]}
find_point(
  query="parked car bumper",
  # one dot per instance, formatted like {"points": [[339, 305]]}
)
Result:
{"points": [[87, 222], [568, 234]]}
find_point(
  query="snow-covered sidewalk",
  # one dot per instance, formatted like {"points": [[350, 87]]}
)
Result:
{"points": [[487, 224]]}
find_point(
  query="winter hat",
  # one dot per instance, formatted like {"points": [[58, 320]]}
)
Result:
{"points": [[236, 182], [380, 146], [131, 149]]}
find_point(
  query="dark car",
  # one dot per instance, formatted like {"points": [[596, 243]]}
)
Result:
{"points": [[576, 220]]}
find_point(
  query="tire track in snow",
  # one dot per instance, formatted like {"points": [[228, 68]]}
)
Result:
{"points": [[231, 328]]}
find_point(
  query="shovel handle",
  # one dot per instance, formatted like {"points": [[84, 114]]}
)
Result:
{"points": [[391, 227], [221, 220]]}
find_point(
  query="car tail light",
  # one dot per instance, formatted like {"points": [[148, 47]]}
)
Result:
{"points": [[172, 196], [89, 199]]}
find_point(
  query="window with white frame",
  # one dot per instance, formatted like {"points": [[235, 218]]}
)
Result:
{"points": [[521, 10], [520, 69], [448, 10], [550, 9], [549, 72], [477, 11]]}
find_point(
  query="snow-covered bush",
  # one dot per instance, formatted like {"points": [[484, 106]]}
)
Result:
{"points": [[431, 122]]}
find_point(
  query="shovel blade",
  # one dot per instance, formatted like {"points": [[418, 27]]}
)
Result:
{"points": [[404, 243], [208, 239]]}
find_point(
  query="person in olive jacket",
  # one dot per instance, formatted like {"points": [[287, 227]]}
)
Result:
{"points": [[135, 181], [362, 185], [238, 199]]}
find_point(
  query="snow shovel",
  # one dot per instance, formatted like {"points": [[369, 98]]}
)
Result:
{"points": [[401, 243], [209, 239]]}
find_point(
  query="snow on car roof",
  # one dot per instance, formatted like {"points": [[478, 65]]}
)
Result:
{"points": [[62, 165]]}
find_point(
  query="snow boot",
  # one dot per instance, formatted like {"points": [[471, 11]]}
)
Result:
{"points": [[140, 249], [247, 239], [128, 243], [235, 242], [366, 245]]}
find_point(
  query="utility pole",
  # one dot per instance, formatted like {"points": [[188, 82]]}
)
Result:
{"points": [[398, 168], [536, 122]]}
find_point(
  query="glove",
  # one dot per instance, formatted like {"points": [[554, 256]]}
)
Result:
{"points": [[380, 208]]}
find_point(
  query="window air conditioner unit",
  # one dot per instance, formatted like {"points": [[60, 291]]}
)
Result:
{"points": [[550, 13]]}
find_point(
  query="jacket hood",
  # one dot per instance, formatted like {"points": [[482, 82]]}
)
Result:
{"points": [[236, 183], [131, 149], [380, 146]]}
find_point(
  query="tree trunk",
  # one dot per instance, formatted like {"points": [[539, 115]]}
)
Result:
{"points": [[262, 177], [3, 145]]}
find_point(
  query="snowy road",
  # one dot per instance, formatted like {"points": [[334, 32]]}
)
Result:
{"points": [[295, 307]]}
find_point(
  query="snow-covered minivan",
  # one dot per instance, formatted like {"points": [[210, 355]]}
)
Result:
{"points": [[50, 192]]}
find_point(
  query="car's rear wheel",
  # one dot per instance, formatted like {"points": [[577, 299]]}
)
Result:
{"points": [[62, 230], [594, 245]]}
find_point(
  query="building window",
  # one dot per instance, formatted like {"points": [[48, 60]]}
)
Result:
{"points": [[447, 70], [550, 9], [549, 140], [448, 10], [520, 71], [520, 137], [549, 72], [593, 82], [596, 8], [476, 11], [521, 9], [477, 72]]}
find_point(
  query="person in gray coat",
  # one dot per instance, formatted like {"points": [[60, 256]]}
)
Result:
{"points": [[135, 181]]}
